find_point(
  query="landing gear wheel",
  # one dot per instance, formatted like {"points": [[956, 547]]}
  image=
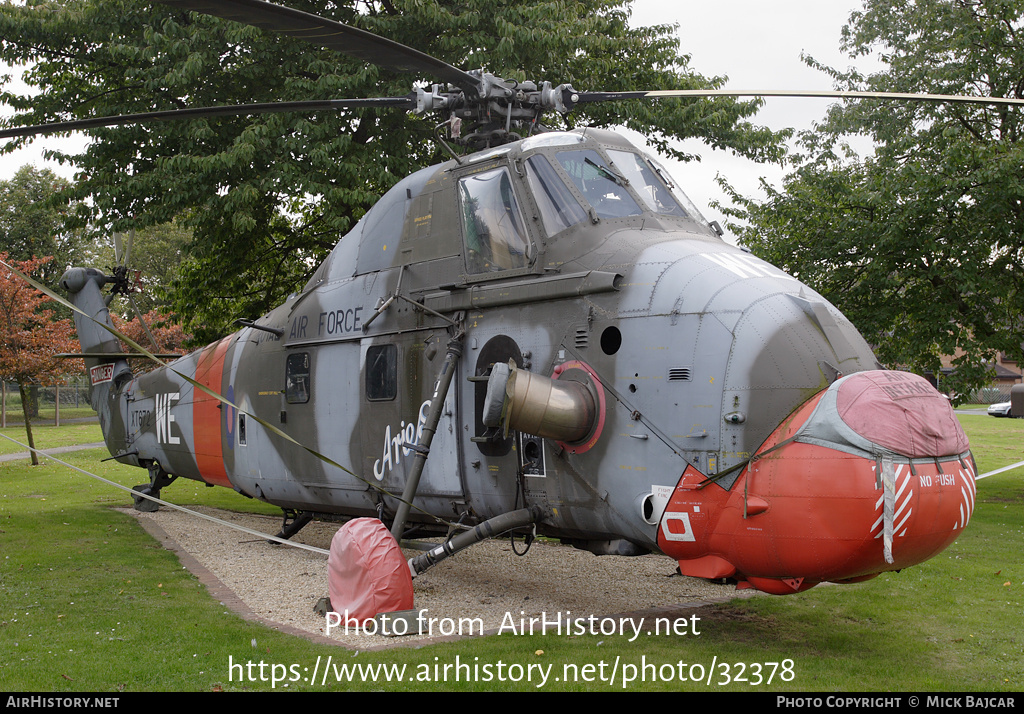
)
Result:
{"points": [[158, 478], [294, 521], [144, 504]]}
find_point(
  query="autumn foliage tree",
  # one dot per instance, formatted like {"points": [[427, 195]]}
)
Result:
{"points": [[170, 337], [30, 335]]}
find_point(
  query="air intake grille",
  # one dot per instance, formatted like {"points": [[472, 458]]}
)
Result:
{"points": [[582, 337], [679, 374]]}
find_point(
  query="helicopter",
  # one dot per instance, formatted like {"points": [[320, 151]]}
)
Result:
{"points": [[544, 335]]}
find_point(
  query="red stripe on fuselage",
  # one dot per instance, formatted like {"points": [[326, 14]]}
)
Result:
{"points": [[206, 415]]}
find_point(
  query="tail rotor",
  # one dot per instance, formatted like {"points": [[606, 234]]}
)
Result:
{"points": [[127, 282]]}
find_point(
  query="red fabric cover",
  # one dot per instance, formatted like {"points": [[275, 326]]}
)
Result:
{"points": [[902, 412], [366, 571]]}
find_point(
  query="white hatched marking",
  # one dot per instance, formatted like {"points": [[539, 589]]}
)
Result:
{"points": [[968, 492], [967, 502], [904, 520], [904, 496]]}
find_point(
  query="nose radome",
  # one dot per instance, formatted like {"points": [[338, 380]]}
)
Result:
{"points": [[785, 349], [872, 474], [887, 413]]}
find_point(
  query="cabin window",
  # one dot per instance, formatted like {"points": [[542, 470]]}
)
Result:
{"points": [[493, 227], [558, 208], [297, 378], [604, 188], [642, 180], [381, 372]]}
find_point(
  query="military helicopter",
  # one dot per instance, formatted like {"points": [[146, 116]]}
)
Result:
{"points": [[544, 334]]}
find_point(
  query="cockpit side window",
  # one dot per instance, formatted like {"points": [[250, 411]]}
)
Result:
{"points": [[681, 198], [603, 187], [642, 180], [558, 208], [493, 227]]}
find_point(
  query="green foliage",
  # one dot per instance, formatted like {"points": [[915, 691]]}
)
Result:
{"points": [[921, 243], [34, 209], [267, 197]]}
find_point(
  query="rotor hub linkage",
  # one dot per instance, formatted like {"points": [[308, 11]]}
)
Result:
{"points": [[497, 106], [123, 281]]}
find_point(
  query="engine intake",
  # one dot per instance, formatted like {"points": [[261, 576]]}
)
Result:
{"points": [[565, 407]]}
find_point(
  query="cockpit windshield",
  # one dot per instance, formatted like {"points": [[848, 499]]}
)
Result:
{"points": [[643, 181], [609, 187], [681, 198], [602, 187], [558, 208]]}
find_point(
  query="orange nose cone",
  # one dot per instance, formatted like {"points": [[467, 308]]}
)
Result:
{"points": [[873, 474]]}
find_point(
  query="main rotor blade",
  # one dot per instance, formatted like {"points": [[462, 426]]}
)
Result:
{"points": [[333, 35], [590, 97], [407, 102]]}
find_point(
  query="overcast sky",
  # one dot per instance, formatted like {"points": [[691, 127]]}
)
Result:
{"points": [[756, 43]]}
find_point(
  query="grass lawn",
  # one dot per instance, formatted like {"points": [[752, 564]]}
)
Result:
{"points": [[47, 436], [89, 602]]}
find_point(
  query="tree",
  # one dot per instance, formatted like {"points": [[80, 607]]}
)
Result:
{"points": [[30, 336], [35, 209], [267, 197], [922, 243], [169, 335], [158, 253]]}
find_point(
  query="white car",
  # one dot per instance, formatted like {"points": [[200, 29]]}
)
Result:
{"points": [[999, 410]]}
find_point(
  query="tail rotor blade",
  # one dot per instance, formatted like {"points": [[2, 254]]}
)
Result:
{"points": [[142, 321], [128, 247], [118, 248]]}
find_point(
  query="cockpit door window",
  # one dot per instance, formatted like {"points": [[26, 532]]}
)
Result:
{"points": [[558, 208], [297, 385], [381, 373], [493, 226]]}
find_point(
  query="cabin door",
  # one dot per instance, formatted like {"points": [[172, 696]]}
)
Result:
{"points": [[399, 373]]}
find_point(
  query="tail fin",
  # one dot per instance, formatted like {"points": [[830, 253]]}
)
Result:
{"points": [[107, 374]]}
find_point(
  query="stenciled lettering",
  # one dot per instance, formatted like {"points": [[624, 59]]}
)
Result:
{"points": [[298, 330], [397, 445], [340, 321], [101, 373], [164, 418]]}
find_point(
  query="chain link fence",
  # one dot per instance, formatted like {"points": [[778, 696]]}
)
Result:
{"points": [[991, 395], [54, 404]]}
